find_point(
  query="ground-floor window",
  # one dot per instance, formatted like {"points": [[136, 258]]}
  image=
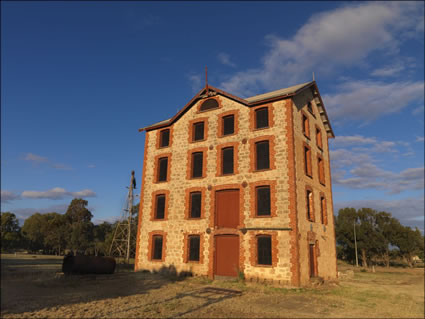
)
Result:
{"points": [[264, 250], [157, 247], [194, 247]]}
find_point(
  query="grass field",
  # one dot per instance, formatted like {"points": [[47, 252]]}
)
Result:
{"points": [[31, 287]]}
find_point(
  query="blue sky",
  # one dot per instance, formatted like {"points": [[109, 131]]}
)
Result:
{"points": [[79, 78]]}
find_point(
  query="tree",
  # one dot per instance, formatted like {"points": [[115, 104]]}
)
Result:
{"points": [[371, 239], [387, 228], [33, 231], [409, 242], [102, 234], [79, 219], [10, 232], [56, 232]]}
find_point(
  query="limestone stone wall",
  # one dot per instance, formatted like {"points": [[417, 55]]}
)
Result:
{"points": [[313, 231], [176, 227]]}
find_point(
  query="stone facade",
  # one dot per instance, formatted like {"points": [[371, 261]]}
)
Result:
{"points": [[290, 230]]}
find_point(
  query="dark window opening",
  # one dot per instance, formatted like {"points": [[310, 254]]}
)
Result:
{"points": [[194, 247], [321, 170], [195, 205], [323, 210], [198, 130], [262, 118], [157, 247], [228, 125], [262, 155], [264, 245], [263, 201], [309, 200], [307, 161], [227, 160], [163, 166], [165, 138], [310, 107], [160, 206], [209, 104], [306, 128], [197, 163]]}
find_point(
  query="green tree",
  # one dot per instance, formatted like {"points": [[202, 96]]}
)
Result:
{"points": [[80, 226], [10, 232], [33, 231], [370, 238], [409, 242], [56, 232], [102, 234], [387, 228]]}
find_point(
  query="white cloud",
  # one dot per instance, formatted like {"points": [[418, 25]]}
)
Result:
{"points": [[420, 138], [7, 196], [91, 166], [224, 58], [418, 110], [409, 211], [35, 158], [57, 193], [195, 81], [329, 41], [367, 100], [388, 71]]}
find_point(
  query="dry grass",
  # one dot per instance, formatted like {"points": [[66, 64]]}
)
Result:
{"points": [[31, 288]]}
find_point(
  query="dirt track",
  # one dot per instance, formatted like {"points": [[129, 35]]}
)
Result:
{"points": [[35, 291]]}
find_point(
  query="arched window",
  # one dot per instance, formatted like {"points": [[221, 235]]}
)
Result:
{"points": [[209, 105]]}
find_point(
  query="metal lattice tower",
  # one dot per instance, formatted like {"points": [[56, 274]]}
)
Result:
{"points": [[123, 243]]}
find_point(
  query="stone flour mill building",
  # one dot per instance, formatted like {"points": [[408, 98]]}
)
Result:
{"points": [[234, 185]]}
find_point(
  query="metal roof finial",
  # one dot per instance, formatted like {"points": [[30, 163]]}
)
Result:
{"points": [[313, 76], [206, 79]]}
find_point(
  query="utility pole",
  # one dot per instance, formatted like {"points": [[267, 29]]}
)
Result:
{"points": [[355, 243]]}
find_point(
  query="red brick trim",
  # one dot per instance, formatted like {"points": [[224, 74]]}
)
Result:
{"points": [[217, 98], [158, 137], [211, 253], [330, 203], [150, 243], [156, 168], [187, 202], [252, 119], [253, 155], [253, 248], [219, 168], [235, 113], [292, 190], [313, 219], [305, 126], [191, 129], [186, 248], [241, 202], [308, 169], [167, 200], [142, 188], [253, 198], [204, 150], [319, 141], [321, 169]]}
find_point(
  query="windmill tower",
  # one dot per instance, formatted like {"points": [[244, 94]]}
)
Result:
{"points": [[123, 242]]}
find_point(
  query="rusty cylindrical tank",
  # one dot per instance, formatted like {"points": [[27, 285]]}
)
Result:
{"points": [[88, 265]]}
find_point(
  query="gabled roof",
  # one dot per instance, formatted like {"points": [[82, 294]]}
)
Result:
{"points": [[251, 101]]}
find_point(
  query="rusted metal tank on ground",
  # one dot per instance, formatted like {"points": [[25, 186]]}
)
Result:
{"points": [[88, 265]]}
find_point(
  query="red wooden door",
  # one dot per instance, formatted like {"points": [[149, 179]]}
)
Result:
{"points": [[226, 255], [227, 208]]}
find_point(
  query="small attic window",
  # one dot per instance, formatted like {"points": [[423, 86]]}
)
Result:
{"points": [[209, 105]]}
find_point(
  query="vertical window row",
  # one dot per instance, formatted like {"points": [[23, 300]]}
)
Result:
{"points": [[162, 174], [307, 161], [264, 250], [197, 164], [157, 241]]}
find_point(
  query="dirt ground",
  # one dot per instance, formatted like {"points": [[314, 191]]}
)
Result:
{"points": [[32, 287]]}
